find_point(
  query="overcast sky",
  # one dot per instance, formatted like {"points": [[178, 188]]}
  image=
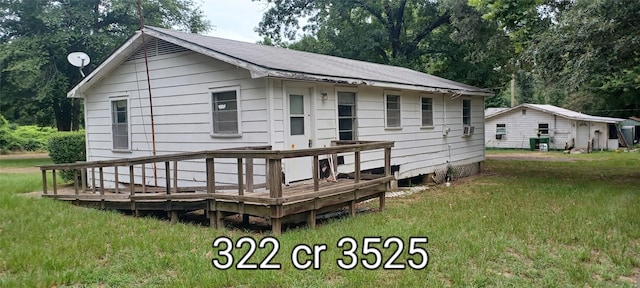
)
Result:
{"points": [[234, 19]]}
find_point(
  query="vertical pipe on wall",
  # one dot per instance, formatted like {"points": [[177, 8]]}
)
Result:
{"points": [[146, 63]]}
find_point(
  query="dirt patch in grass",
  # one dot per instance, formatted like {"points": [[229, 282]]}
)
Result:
{"points": [[19, 169], [25, 155]]}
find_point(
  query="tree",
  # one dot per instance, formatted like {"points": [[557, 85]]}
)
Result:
{"points": [[445, 38], [592, 52], [36, 36]]}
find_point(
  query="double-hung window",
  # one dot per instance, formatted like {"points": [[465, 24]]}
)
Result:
{"points": [[501, 129], [120, 124], [466, 112], [225, 113], [427, 111], [392, 111], [543, 129], [347, 115]]}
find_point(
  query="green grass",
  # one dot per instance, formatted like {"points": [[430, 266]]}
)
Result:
{"points": [[21, 163], [521, 224]]}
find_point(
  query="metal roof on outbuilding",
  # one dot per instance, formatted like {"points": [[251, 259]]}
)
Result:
{"points": [[562, 112], [269, 61]]}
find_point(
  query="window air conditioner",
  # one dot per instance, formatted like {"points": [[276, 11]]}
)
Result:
{"points": [[468, 130], [498, 136]]}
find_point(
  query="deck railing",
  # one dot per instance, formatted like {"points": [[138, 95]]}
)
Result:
{"points": [[245, 158]]}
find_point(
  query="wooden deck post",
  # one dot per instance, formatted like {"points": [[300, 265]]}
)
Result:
{"points": [[352, 208], [357, 166], [93, 179], [83, 178], [312, 218], [55, 183], [175, 176], [276, 226], [211, 176], [174, 217], [132, 181], [387, 172], [275, 178], [275, 192], [44, 182], [387, 161], [245, 217], [249, 176], [117, 181], [240, 178], [167, 174], [316, 182], [75, 180], [144, 178], [101, 172]]}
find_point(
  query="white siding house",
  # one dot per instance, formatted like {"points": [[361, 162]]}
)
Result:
{"points": [[209, 93], [514, 127]]}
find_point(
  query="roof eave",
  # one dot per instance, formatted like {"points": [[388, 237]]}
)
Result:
{"points": [[356, 81], [115, 59]]}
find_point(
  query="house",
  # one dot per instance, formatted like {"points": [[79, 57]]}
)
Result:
{"points": [[527, 125], [210, 93]]}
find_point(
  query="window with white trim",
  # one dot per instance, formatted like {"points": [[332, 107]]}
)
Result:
{"points": [[466, 112], [347, 115], [427, 111], [543, 128], [392, 111], [120, 124], [501, 129], [225, 115]]}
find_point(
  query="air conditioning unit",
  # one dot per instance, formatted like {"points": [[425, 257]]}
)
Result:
{"points": [[499, 136], [468, 130]]}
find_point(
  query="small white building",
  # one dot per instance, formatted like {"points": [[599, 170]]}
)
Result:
{"points": [[530, 124], [210, 93]]}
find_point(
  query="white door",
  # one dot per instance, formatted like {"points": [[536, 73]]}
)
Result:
{"points": [[582, 135], [299, 134]]}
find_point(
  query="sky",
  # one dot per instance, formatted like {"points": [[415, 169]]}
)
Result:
{"points": [[234, 19]]}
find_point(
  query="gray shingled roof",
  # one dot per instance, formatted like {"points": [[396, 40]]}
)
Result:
{"points": [[287, 63]]}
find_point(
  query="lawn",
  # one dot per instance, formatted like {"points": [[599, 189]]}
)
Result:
{"points": [[520, 224]]}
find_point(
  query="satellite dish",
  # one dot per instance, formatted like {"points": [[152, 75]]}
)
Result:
{"points": [[79, 59]]}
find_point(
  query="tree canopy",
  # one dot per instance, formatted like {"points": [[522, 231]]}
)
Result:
{"points": [[445, 38], [36, 36], [592, 51]]}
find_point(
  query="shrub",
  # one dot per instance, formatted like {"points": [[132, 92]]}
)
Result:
{"points": [[34, 138], [8, 141], [23, 138], [67, 147]]}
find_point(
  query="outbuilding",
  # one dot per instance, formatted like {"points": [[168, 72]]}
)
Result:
{"points": [[526, 126]]}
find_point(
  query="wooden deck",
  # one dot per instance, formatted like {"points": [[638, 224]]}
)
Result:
{"points": [[299, 202]]}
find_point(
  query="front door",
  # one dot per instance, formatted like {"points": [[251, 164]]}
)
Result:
{"points": [[299, 134], [582, 135]]}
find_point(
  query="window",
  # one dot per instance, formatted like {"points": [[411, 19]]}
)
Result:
{"points": [[392, 111], [427, 111], [466, 112], [347, 115], [524, 111], [225, 112], [501, 129], [543, 129], [296, 114], [120, 124]]}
